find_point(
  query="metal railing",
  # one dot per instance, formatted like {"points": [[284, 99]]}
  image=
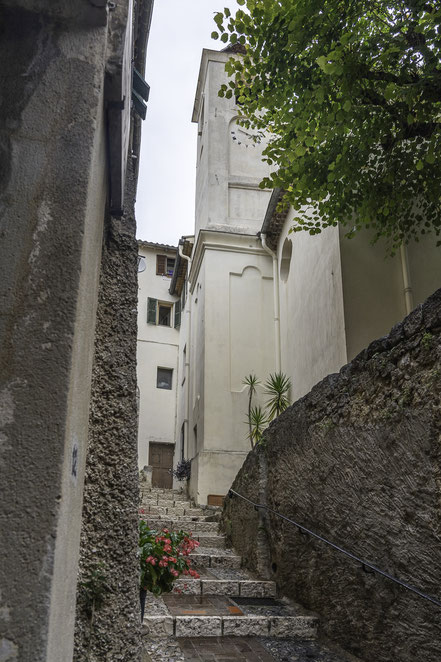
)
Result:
{"points": [[366, 565]]}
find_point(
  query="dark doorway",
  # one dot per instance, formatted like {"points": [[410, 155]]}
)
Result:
{"points": [[161, 459]]}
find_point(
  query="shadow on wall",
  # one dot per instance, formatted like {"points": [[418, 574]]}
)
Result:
{"points": [[358, 461]]}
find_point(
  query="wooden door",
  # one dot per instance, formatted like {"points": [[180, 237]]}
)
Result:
{"points": [[161, 459]]}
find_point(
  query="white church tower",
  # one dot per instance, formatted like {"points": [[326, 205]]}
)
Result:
{"points": [[227, 327]]}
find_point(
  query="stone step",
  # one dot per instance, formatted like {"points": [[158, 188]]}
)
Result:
{"points": [[210, 585], [206, 540], [210, 557], [175, 511], [177, 525], [156, 500], [304, 627]]}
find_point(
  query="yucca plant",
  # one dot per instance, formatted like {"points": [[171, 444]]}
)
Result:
{"points": [[251, 381], [258, 423], [277, 387]]}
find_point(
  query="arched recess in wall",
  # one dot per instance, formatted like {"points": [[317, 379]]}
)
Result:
{"points": [[251, 332], [285, 259]]}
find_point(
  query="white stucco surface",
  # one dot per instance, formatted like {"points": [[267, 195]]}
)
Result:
{"points": [[157, 347], [311, 308]]}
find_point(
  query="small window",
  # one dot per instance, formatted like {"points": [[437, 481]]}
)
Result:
{"points": [[160, 312], [165, 265], [164, 315], [164, 378]]}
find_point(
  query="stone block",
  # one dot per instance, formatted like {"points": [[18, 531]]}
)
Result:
{"points": [[219, 587], [198, 626], [245, 626], [188, 586], [226, 562], [212, 541], [157, 626], [257, 589], [200, 560], [304, 627]]}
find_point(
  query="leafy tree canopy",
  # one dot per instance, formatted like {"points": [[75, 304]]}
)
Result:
{"points": [[350, 91]]}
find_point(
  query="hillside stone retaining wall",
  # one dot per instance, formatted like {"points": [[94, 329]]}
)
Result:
{"points": [[358, 460]]}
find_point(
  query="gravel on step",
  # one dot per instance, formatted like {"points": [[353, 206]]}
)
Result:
{"points": [[165, 649], [294, 650]]}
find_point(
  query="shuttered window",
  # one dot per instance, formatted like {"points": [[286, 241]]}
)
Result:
{"points": [[165, 265], [151, 310], [161, 265], [177, 314]]}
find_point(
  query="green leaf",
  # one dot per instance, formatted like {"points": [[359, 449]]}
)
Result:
{"points": [[240, 2], [419, 165], [224, 37], [215, 35], [347, 105]]}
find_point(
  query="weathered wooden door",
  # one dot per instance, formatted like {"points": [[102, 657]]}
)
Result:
{"points": [[161, 459]]}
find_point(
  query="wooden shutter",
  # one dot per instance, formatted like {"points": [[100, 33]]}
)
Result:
{"points": [[161, 265], [151, 310], [177, 314]]}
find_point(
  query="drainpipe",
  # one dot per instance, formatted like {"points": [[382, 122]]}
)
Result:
{"points": [[187, 355], [276, 301], [408, 293]]}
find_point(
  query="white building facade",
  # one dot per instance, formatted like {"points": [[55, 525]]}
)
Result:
{"points": [[157, 359], [255, 299]]}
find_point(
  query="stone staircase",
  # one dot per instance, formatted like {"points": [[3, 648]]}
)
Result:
{"points": [[225, 605]]}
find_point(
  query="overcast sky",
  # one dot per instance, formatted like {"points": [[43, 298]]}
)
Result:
{"points": [[165, 198]]}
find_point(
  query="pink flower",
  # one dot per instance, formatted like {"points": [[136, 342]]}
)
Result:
{"points": [[175, 573]]}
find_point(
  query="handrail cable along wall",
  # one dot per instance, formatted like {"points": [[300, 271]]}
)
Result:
{"points": [[366, 565]]}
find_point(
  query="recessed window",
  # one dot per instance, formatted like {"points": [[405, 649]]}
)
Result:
{"points": [[285, 262], [161, 312], [164, 378], [165, 265], [164, 315]]}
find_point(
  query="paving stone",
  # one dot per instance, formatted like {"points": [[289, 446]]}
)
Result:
{"points": [[198, 626], [257, 589], [245, 626]]}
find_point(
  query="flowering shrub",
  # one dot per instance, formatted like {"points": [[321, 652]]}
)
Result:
{"points": [[164, 556]]}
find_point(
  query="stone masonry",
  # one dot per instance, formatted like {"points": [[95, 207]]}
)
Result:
{"points": [[358, 461], [228, 613]]}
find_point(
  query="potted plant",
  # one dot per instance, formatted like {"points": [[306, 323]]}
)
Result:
{"points": [[163, 557]]}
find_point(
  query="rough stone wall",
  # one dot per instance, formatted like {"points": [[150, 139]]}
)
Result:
{"points": [[358, 460], [110, 513]]}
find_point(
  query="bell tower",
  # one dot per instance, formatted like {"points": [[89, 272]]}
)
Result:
{"points": [[229, 160]]}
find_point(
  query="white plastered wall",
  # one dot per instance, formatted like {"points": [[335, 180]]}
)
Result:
{"points": [[229, 165], [157, 347], [233, 336], [311, 308]]}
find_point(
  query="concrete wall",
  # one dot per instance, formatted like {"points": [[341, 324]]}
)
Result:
{"points": [[157, 347], [53, 191], [358, 460]]}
